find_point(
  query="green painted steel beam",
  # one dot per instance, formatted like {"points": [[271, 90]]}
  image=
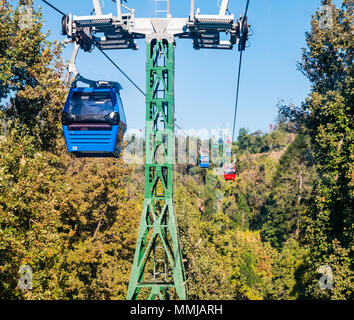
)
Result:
{"points": [[157, 266]]}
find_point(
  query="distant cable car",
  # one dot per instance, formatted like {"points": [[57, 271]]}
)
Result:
{"points": [[228, 152], [94, 121], [229, 171], [204, 161]]}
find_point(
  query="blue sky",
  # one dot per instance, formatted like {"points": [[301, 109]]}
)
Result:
{"points": [[205, 80]]}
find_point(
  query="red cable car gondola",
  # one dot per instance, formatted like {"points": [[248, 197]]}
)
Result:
{"points": [[229, 171]]}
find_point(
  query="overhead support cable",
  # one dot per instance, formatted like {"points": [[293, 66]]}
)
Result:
{"points": [[56, 9], [237, 94], [181, 129], [244, 20], [246, 10], [135, 85]]}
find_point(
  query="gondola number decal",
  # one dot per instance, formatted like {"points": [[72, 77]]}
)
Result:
{"points": [[74, 148]]}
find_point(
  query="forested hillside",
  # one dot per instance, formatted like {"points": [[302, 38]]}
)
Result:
{"points": [[263, 236]]}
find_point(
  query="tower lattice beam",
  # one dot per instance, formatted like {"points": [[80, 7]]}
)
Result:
{"points": [[157, 268]]}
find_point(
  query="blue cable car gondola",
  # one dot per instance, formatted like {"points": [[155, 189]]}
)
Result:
{"points": [[204, 161], [94, 121]]}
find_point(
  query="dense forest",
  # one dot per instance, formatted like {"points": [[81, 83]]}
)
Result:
{"points": [[265, 235]]}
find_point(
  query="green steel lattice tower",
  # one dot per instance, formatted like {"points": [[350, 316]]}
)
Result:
{"points": [[157, 268]]}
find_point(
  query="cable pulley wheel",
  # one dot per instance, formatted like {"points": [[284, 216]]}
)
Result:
{"points": [[64, 25]]}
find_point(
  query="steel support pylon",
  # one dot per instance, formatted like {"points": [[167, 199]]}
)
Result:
{"points": [[157, 270]]}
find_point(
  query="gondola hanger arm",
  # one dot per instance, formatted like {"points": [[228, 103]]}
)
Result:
{"points": [[74, 76], [73, 73]]}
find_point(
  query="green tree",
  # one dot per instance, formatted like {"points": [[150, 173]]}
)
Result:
{"points": [[291, 188], [72, 220], [31, 71], [31, 94], [327, 117], [285, 267]]}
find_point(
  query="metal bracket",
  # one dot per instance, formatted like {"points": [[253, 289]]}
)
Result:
{"points": [[109, 32], [97, 6], [223, 7], [74, 77]]}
